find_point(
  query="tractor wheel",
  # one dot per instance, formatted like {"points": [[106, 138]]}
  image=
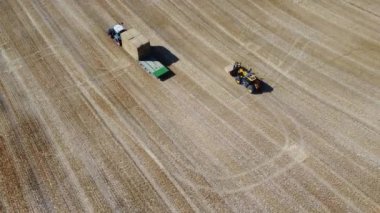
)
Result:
{"points": [[111, 33]]}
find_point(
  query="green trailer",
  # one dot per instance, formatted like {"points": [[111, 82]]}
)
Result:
{"points": [[134, 43], [154, 67]]}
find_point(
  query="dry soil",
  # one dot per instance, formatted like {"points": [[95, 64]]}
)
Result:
{"points": [[83, 128]]}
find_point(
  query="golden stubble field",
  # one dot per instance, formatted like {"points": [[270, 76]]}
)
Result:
{"points": [[83, 128]]}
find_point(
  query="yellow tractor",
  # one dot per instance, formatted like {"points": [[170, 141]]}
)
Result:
{"points": [[245, 77]]}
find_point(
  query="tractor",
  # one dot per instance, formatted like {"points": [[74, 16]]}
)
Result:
{"points": [[138, 47], [245, 77], [115, 33]]}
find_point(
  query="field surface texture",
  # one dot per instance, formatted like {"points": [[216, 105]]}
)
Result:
{"points": [[84, 128]]}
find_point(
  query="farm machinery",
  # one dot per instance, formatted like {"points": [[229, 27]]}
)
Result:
{"points": [[245, 77], [136, 45]]}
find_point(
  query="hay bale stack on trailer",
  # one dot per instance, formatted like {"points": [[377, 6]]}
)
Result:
{"points": [[135, 44]]}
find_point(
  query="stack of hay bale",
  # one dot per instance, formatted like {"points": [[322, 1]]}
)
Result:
{"points": [[135, 44]]}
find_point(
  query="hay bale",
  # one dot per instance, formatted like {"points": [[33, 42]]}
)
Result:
{"points": [[135, 44]]}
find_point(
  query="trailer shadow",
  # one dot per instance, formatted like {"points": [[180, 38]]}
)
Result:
{"points": [[164, 55], [167, 75]]}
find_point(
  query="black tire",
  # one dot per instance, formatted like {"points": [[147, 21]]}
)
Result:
{"points": [[111, 32]]}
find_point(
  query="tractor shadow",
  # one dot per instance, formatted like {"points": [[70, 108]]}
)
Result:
{"points": [[167, 58], [265, 88]]}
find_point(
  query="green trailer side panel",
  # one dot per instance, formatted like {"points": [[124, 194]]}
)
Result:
{"points": [[158, 73], [154, 67]]}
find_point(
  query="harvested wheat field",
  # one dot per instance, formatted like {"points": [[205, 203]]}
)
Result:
{"points": [[84, 128]]}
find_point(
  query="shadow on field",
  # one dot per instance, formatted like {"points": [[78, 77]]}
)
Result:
{"points": [[164, 55], [167, 58], [265, 88], [167, 75], [3, 107]]}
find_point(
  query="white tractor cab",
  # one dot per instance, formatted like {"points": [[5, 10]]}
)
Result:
{"points": [[115, 31]]}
